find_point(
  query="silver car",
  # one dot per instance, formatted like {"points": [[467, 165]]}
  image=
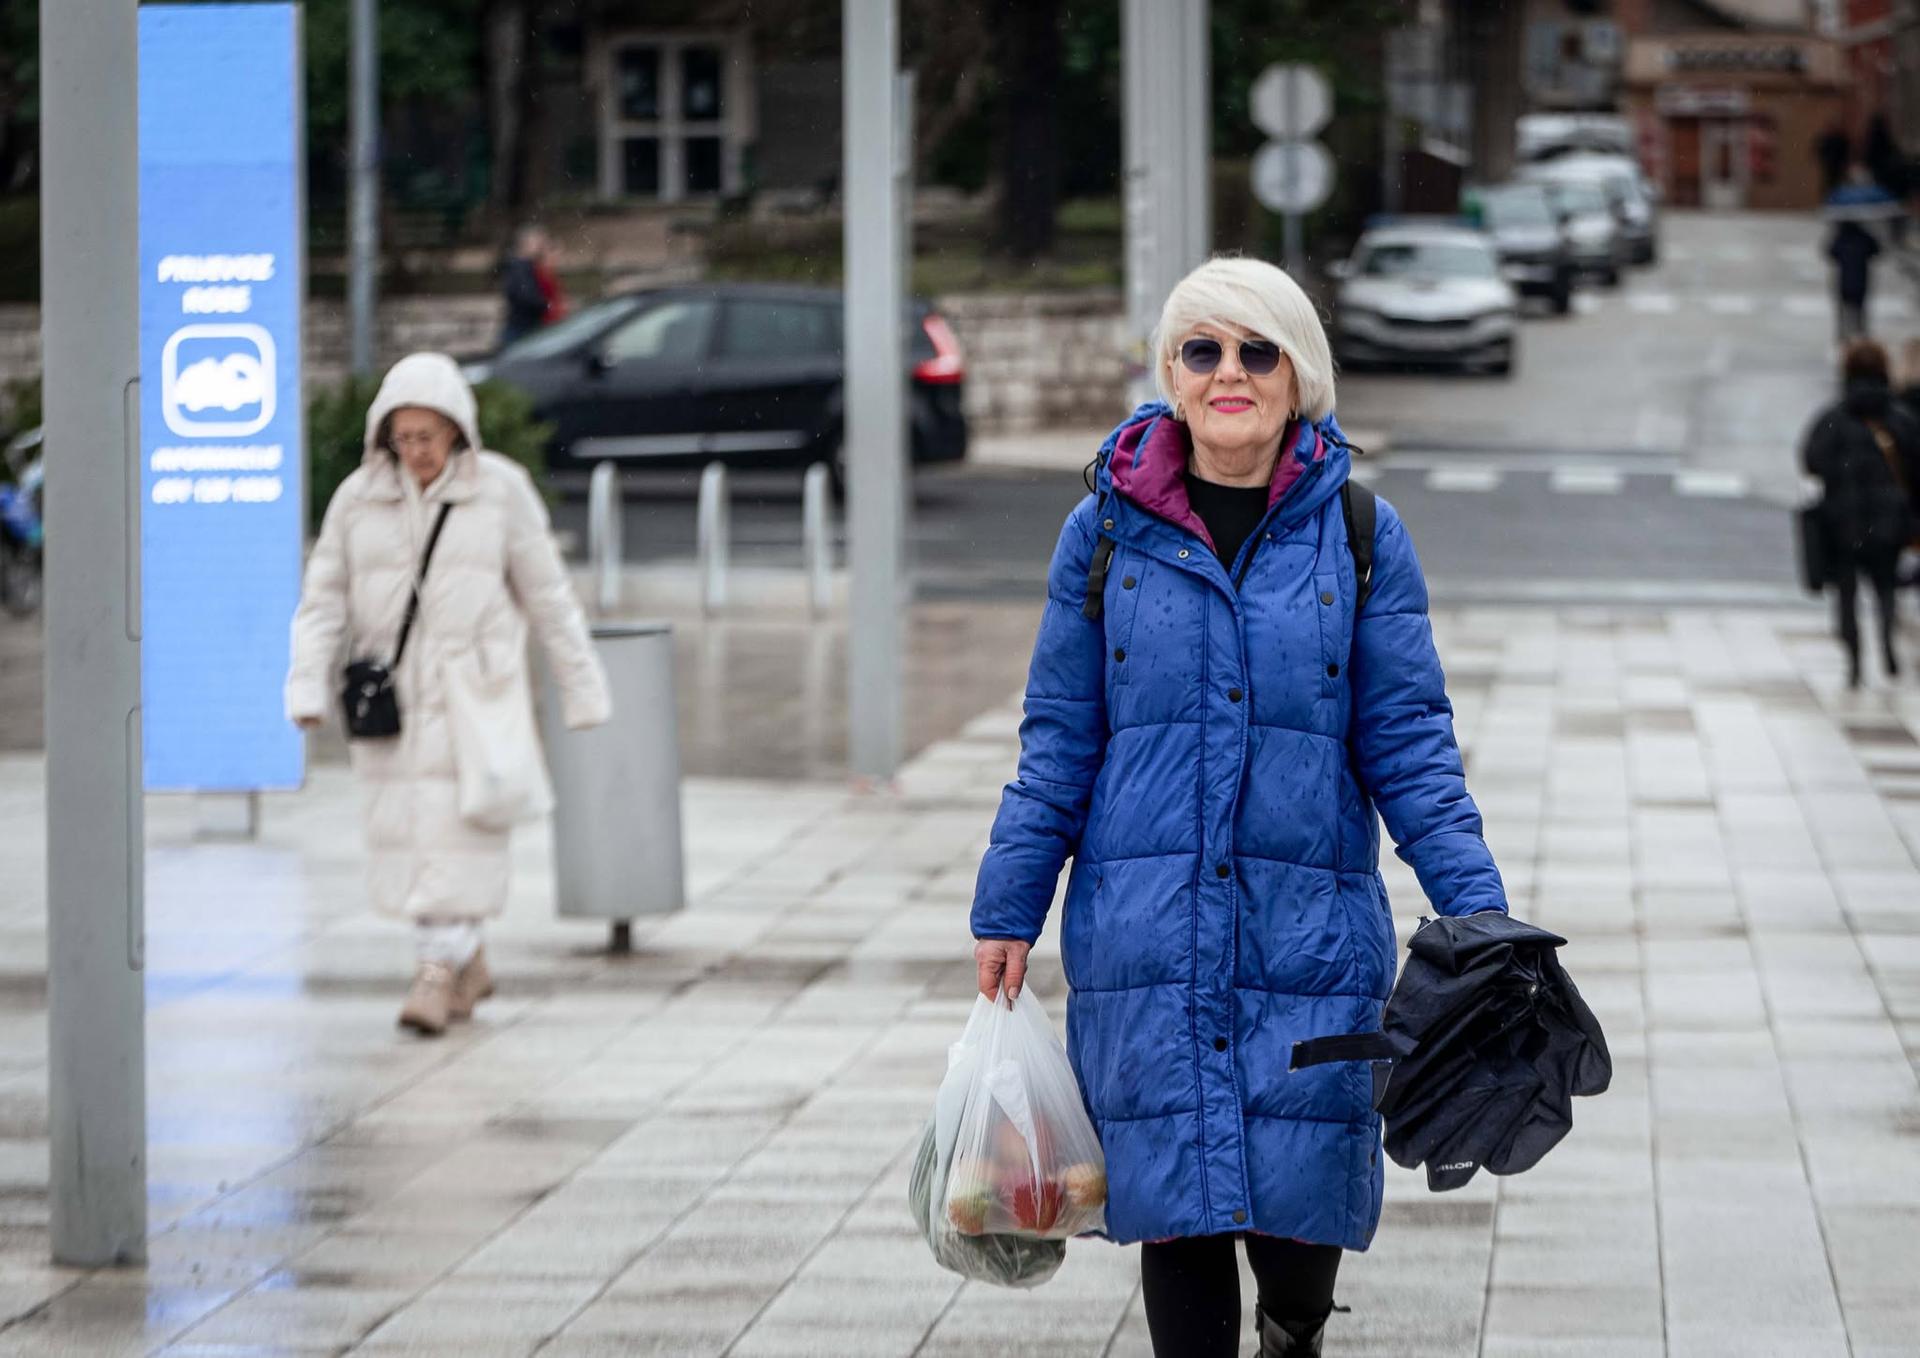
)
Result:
{"points": [[1425, 293], [1593, 226]]}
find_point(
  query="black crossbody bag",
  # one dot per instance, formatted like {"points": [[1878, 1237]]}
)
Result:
{"points": [[372, 707]]}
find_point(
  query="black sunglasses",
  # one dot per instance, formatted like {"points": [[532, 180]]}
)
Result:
{"points": [[1258, 357]]}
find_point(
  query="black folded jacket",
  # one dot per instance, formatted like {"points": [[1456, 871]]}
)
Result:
{"points": [[1483, 1046]]}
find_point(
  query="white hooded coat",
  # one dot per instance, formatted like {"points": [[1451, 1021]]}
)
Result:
{"points": [[494, 572]]}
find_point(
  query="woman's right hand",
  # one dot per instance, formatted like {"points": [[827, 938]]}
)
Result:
{"points": [[1003, 964]]}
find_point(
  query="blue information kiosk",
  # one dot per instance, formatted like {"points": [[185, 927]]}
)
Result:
{"points": [[222, 463]]}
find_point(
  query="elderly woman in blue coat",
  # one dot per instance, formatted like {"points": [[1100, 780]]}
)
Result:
{"points": [[1209, 739]]}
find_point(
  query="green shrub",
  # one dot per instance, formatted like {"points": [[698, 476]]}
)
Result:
{"points": [[336, 435], [23, 408]]}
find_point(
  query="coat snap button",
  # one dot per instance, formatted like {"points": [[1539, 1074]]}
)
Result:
{"points": [[1127, 583], [1184, 553], [1108, 523], [1333, 670], [1119, 653], [1234, 695], [1223, 871], [1326, 597], [1240, 1217], [1219, 1044]]}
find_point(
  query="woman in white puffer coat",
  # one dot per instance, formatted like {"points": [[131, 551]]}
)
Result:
{"points": [[495, 571]]}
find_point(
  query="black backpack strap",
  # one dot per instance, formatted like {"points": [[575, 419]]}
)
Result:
{"points": [[1097, 580], [413, 599], [1359, 509]]}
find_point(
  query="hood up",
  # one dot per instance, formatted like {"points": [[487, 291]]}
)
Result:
{"points": [[431, 381], [1145, 458]]}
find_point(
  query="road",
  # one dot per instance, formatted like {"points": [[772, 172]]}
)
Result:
{"points": [[1644, 450]]}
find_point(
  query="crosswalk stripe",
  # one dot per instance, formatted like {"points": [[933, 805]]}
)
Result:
{"points": [[1474, 480], [1734, 304], [1585, 303], [1587, 481], [1805, 304], [1710, 485], [1653, 303]]}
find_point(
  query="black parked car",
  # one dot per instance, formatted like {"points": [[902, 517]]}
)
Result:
{"points": [[748, 374]]}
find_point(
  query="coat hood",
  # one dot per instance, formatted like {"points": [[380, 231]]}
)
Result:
{"points": [[431, 381], [1144, 459]]}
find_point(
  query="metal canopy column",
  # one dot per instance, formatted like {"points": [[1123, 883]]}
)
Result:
{"points": [[875, 447], [90, 335], [1168, 152]]}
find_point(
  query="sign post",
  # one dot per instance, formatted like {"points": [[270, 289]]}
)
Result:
{"points": [[221, 456], [1292, 175]]}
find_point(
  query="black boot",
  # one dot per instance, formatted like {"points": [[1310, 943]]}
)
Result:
{"points": [[1290, 1338]]}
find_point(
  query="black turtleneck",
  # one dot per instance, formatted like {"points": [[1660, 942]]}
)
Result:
{"points": [[1231, 513]]}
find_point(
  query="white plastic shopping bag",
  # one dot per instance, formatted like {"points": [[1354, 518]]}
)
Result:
{"points": [[1010, 1164]]}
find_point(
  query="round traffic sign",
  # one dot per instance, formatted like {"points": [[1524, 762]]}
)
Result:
{"points": [[1292, 176], [1291, 102]]}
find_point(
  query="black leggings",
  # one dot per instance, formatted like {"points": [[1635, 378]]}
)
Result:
{"points": [[1192, 1289], [1882, 569]]}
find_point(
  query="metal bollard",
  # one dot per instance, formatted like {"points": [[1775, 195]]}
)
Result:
{"points": [[816, 538], [617, 849], [605, 552], [713, 530]]}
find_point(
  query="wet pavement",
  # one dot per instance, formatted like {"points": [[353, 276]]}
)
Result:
{"points": [[703, 1149]]}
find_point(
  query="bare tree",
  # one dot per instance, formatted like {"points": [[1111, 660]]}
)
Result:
{"points": [[1027, 51]]}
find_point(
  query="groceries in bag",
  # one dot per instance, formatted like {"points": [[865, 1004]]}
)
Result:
{"points": [[1009, 1166]]}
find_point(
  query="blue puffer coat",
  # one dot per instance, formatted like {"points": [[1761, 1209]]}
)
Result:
{"points": [[1211, 756]]}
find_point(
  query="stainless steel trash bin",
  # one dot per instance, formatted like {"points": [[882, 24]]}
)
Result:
{"points": [[617, 851]]}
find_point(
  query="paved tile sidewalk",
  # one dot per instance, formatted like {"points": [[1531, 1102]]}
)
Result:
{"points": [[703, 1150]]}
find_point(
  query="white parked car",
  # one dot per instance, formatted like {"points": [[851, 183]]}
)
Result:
{"points": [[1629, 192], [1419, 292]]}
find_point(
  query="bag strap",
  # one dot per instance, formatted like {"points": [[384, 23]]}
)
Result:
{"points": [[1359, 509], [413, 599], [1889, 450], [1320, 1051]]}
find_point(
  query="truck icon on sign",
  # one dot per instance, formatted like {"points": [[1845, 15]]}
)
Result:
{"points": [[217, 381]]}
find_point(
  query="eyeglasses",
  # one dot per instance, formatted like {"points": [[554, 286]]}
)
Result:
{"points": [[1258, 357]]}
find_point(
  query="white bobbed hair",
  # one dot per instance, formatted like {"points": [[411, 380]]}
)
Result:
{"points": [[1254, 296]]}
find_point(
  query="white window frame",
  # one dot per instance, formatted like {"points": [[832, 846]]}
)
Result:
{"points": [[672, 129]]}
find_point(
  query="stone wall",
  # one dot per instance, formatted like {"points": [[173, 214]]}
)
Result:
{"points": [[1034, 360], [1041, 360]]}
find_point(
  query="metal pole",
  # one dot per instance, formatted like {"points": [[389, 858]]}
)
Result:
{"points": [[605, 551], [1291, 243], [363, 224], [96, 1010], [1167, 147], [876, 427], [711, 531], [816, 538]]}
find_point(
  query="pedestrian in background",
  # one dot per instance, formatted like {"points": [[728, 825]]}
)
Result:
{"points": [[1213, 723], [531, 288], [492, 572], [1865, 449], [1852, 246]]}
